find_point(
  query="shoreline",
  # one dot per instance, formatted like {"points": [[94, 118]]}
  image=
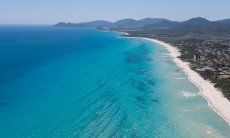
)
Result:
{"points": [[214, 97]]}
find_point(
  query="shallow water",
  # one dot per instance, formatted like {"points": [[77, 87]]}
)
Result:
{"points": [[81, 82]]}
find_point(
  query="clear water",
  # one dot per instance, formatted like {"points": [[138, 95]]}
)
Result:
{"points": [[81, 82]]}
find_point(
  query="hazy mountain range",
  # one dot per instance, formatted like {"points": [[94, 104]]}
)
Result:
{"points": [[125, 23], [132, 23], [161, 26]]}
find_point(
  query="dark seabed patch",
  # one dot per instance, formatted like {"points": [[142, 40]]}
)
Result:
{"points": [[151, 82], [137, 58], [141, 86], [140, 99], [3, 104]]}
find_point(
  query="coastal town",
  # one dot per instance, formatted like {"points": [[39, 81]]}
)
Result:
{"points": [[210, 58]]}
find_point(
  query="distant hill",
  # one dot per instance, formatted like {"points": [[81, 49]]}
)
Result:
{"points": [[158, 26], [197, 21], [225, 21], [161, 24], [86, 24], [199, 26], [96, 24], [62, 24], [125, 23], [131, 23]]}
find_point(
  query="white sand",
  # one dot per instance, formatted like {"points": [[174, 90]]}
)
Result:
{"points": [[215, 98]]}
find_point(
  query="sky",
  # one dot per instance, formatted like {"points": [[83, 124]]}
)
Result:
{"points": [[54, 11]]}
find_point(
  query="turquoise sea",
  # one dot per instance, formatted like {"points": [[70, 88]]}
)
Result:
{"points": [[82, 82]]}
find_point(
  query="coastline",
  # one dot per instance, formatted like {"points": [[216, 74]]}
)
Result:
{"points": [[213, 96]]}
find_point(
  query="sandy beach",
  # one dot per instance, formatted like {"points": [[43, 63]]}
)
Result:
{"points": [[214, 97]]}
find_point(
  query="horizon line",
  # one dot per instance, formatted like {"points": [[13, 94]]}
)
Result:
{"points": [[109, 21]]}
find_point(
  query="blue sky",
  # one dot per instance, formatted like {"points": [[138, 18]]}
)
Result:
{"points": [[53, 11]]}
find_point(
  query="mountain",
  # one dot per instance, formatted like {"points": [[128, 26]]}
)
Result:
{"points": [[131, 23], [224, 21], [62, 24], [201, 26], [147, 21], [125, 23], [96, 24], [197, 21], [151, 22], [194, 26], [86, 24], [162, 24]]}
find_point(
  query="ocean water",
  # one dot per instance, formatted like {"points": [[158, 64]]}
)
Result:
{"points": [[82, 82]]}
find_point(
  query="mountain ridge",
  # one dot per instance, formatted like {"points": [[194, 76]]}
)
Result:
{"points": [[132, 23], [195, 26]]}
